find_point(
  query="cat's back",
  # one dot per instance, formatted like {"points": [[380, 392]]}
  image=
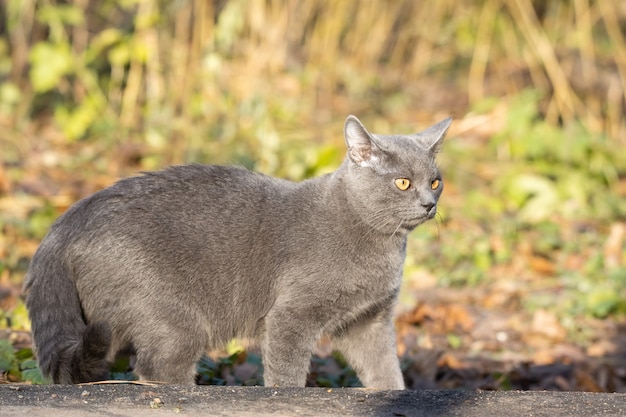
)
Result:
{"points": [[177, 200], [197, 181]]}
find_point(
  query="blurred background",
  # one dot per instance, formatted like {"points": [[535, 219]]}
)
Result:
{"points": [[519, 283]]}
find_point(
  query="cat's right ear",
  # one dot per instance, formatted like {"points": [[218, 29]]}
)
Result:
{"points": [[359, 142], [432, 138]]}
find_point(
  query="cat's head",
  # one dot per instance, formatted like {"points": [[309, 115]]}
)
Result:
{"points": [[393, 182]]}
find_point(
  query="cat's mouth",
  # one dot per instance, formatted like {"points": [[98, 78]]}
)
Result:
{"points": [[412, 223]]}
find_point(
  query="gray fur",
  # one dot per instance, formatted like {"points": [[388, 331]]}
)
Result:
{"points": [[170, 264]]}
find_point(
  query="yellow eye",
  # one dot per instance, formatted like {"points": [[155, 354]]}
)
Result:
{"points": [[435, 184], [402, 183]]}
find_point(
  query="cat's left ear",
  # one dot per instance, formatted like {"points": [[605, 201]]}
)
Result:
{"points": [[360, 143], [432, 138]]}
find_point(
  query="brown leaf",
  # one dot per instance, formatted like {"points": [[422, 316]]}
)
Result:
{"points": [[541, 265], [585, 381], [451, 361], [546, 324], [614, 246]]}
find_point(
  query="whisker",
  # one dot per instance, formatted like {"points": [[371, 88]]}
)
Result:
{"points": [[379, 218], [439, 217], [397, 228]]}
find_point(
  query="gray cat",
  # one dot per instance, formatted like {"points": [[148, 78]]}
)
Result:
{"points": [[170, 264]]}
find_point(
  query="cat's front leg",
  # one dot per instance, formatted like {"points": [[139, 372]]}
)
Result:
{"points": [[370, 347], [286, 349]]}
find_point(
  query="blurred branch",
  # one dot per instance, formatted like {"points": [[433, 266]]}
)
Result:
{"points": [[566, 100], [482, 49], [616, 117]]}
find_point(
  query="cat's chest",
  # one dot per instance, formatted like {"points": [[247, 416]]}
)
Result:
{"points": [[376, 262], [370, 275], [361, 292]]}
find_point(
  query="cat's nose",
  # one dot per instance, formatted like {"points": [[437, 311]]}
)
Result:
{"points": [[428, 206]]}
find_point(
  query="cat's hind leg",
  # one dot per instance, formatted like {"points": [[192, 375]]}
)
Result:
{"points": [[170, 356]]}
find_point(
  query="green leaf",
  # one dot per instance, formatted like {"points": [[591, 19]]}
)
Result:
{"points": [[62, 13], [24, 354], [120, 54], [7, 356], [34, 376], [535, 195], [602, 301], [103, 40], [28, 364], [75, 122], [9, 93], [49, 64], [234, 348], [454, 341]]}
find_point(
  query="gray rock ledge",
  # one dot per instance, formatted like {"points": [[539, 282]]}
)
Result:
{"points": [[167, 400]]}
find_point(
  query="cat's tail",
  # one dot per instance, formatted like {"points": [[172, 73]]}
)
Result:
{"points": [[69, 350]]}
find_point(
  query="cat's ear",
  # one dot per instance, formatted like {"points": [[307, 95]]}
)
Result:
{"points": [[432, 138], [360, 143]]}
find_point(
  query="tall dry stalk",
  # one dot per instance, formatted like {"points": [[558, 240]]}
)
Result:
{"points": [[195, 51], [616, 96]]}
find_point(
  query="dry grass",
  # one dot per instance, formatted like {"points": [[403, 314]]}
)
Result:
{"points": [[324, 51]]}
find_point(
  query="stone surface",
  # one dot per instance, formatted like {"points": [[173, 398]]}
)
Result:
{"points": [[143, 400]]}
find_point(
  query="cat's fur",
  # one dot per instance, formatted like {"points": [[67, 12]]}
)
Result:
{"points": [[172, 263]]}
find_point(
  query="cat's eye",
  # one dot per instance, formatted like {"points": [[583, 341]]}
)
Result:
{"points": [[403, 183], [435, 184]]}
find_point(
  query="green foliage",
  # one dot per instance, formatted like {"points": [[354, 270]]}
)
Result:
{"points": [[215, 372], [331, 372], [504, 382], [8, 362], [341, 374], [19, 365], [17, 317], [120, 369], [535, 191], [549, 170], [10, 96], [455, 341], [597, 291], [30, 371], [49, 64]]}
